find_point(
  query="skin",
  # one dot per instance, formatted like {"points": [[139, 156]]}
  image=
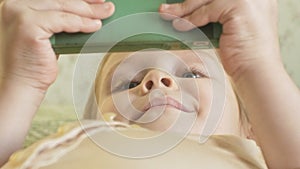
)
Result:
{"points": [[194, 93], [249, 53], [29, 65]]}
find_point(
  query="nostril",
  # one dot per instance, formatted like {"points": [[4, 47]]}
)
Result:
{"points": [[166, 82], [149, 85]]}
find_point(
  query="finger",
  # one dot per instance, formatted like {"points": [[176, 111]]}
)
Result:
{"points": [[94, 1], [200, 17], [181, 9], [66, 22], [182, 24], [78, 7]]}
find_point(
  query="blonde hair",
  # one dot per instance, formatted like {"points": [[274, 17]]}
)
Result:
{"points": [[91, 107]]}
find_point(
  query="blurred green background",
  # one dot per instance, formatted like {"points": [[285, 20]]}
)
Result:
{"points": [[57, 108]]}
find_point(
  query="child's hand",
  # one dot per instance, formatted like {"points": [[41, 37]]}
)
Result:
{"points": [[27, 25], [249, 37]]}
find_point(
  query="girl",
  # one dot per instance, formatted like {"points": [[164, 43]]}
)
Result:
{"points": [[249, 53]]}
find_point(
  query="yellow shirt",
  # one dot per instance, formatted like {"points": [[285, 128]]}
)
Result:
{"points": [[71, 148]]}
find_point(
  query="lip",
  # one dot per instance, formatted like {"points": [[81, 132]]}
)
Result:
{"points": [[168, 101]]}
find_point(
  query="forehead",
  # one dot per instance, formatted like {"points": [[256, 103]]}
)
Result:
{"points": [[185, 56]]}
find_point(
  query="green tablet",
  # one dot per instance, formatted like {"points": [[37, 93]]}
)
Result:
{"points": [[67, 43]]}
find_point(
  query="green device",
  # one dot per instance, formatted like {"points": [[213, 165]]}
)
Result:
{"points": [[67, 43]]}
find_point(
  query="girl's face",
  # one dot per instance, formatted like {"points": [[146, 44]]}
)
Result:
{"points": [[156, 88]]}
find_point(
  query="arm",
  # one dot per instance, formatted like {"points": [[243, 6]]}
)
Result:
{"points": [[18, 104], [250, 55], [272, 102], [28, 63]]}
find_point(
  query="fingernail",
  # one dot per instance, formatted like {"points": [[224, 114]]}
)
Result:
{"points": [[165, 6], [182, 24], [177, 21], [179, 24], [106, 6], [97, 22]]}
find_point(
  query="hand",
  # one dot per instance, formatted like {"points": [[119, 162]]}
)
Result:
{"points": [[27, 25], [29, 63], [249, 37], [250, 54]]}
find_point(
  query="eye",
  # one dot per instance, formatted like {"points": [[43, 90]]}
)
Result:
{"points": [[193, 73], [190, 75], [127, 85], [132, 84]]}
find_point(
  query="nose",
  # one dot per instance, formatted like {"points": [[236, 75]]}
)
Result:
{"points": [[155, 79]]}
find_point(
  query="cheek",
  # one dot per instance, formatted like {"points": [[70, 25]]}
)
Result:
{"points": [[200, 90], [205, 96], [106, 105], [205, 99], [115, 104]]}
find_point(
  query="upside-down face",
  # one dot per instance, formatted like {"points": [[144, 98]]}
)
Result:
{"points": [[162, 91]]}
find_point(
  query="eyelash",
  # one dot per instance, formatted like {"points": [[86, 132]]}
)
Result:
{"points": [[124, 84], [198, 71]]}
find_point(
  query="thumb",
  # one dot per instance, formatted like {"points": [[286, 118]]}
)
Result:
{"points": [[181, 9]]}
